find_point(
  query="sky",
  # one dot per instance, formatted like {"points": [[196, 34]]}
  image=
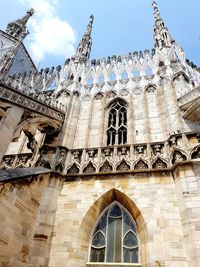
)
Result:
{"points": [[120, 26]]}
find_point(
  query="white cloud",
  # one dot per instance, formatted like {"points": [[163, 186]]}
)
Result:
{"points": [[49, 35]]}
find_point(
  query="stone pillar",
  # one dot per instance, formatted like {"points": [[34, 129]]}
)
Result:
{"points": [[187, 188], [8, 127], [88, 132], [71, 121], [172, 110], [130, 137], [43, 235], [146, 129]]}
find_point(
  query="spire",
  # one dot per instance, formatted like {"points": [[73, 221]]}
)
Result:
{"points": [[82, 53], [18, 27], [162, 37]]}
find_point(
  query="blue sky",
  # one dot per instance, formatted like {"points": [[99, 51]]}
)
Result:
{"points": [[120, 26]]}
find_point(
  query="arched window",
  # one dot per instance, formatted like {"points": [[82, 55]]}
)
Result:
{"points": [[117, 124], [115, 237]]}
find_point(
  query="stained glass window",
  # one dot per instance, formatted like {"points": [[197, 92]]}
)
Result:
{"points": [[115, 237], [117, 124]]}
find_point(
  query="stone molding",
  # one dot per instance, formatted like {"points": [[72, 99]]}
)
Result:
{"points": [[26, 101]]}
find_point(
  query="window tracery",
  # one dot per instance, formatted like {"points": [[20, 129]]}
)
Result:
{"points": [[117, 124], [115, 237]]}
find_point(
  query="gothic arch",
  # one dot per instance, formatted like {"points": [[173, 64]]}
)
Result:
{"points": [[141, 164], [76, 93], [43, 163], [34, 123], [123, 92], [178, 155], [123, 165], [89, 168], [120, 99], [73, 169], [107, 166], [195, 153], [92, 215], [98, 96], [117, 123], [175, 76], [159, 163], [64, 91], [150, 88], [59, 167], [137, 91], [110, 94]]}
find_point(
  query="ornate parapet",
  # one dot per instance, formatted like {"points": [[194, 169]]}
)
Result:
{"points": [[16, 161], [189, 104], [52, 157], [146, 157], [178, 149], [36, 103]]}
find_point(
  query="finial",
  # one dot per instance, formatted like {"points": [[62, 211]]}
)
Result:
{"points": [[82, 53], [162, 36], [31, 11], [156, 10], [18, 27]]}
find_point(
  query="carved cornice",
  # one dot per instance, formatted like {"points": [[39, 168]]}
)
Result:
{"points": [[21, 99]]}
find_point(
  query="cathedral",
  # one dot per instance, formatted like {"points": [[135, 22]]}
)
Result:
{"points": [[99, 159]]}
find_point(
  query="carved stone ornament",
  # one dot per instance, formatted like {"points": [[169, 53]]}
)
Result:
{"points": [[150, 89], [106, 167], [91, 153], [123, 151], [89, 168], [22, 160], [137, 91], [124, 92], [107, 152], [178, 156], [157, 149], [140, 149], [62, 155], [73, 170], [86, 98], [30, 103], [110, 94], [123, 166], [196, 154], [98, 96], [173, 140], [141, 165], [77, 155], [8, 160], [159, 164]]}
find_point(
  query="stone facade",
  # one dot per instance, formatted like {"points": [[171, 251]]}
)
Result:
{"points": [[77, 138]]}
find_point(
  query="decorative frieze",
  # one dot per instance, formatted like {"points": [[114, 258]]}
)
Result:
{"points": [[46, 108], [16, 161]]}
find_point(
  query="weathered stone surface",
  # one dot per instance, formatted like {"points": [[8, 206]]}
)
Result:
{"points": [[18, 174]]}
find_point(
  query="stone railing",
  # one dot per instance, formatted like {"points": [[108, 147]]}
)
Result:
{"points": [[125, 158], [16, 161], [160, 156], [39, 103], [189, 97], [133, 158]]}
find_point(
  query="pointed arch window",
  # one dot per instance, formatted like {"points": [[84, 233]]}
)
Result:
{"points": [[112, 76], [136, 73], [124, 75], [101, 79], [117, 124], [115, 238]]}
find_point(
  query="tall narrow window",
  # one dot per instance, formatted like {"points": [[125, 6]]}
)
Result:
{"points": [[115, 237], [117, 124]]}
